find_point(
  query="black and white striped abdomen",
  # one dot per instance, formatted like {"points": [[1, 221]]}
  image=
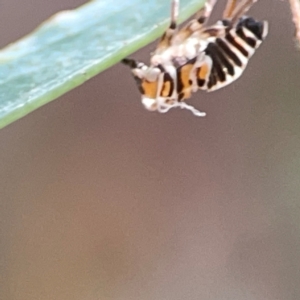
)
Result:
{"points": [[228, 56]]}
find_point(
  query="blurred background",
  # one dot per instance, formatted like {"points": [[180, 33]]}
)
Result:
{"points": [[101, 199]]}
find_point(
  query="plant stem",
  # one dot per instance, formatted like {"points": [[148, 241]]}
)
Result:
{"points": [[295, 7]]}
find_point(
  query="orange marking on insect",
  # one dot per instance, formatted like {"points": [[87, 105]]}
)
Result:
{"points": [[185, 80], [150, 89], [187, 93], [203, 71], [185, 75], [166, 89]]}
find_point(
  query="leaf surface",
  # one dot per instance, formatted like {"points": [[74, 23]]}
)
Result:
{"points": [[73, 46]]}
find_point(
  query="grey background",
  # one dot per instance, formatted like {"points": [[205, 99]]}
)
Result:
{"points": [[101, 199]]}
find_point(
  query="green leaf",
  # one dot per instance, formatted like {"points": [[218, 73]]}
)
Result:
{"points": [[73, 46]]}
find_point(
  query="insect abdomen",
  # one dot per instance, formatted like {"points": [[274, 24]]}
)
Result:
{"points": [[228, 56]]}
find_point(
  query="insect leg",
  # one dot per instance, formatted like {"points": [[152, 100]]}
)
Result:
{"points": [[166, 38], [202, 16], [199, 21], [230, 6], [240, 9]]}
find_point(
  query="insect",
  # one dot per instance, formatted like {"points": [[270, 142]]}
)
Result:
{"points": [[198, 56]]}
